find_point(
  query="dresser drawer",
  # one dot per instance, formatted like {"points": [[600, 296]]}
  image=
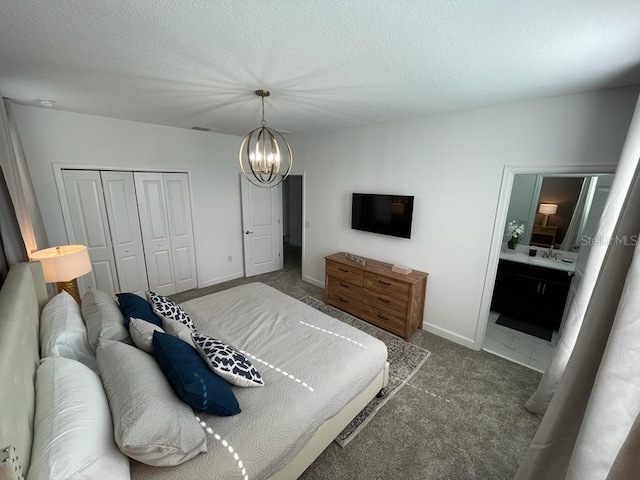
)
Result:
{"points": [[344, 272], [387, 285], [344, 287], [393, 305], [345, 301], [385, 320]]}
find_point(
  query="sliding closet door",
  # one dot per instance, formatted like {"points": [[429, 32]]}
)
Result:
{"points": [[87, 224], [150, 193], [180, 230], [124, 223]]}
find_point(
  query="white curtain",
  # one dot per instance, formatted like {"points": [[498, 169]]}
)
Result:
{"points": [[591, 390], [569, 242], [16, 174]]}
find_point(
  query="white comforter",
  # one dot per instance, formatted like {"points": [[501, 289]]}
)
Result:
{"points": [[312, 365]]}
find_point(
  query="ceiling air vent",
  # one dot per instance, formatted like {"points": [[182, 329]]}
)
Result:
{"points": [[201, 129]]}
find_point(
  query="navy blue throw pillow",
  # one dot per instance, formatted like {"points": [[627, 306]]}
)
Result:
{"points": [[133, 306], [191, 377]]}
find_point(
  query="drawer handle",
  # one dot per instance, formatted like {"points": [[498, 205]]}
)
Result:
{"points": [[343, 300], [383, 300], [344, 285], [383, 318], [343, 270], [388, 284]]}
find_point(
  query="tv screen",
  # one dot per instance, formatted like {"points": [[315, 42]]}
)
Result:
{"points": [[385, 214]]}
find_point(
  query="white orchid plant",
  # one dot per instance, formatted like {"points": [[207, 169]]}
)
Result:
{"points": [[514, 232]]}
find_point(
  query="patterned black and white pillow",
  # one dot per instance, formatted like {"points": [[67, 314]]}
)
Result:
{"points": [[166, 309], [227, 362]]}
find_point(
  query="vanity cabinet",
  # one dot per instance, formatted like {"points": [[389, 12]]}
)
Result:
{"points": [[389, 300], [531, 293]]}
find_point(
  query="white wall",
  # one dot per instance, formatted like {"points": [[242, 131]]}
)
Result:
{"points": [[453, 164], [51, 136]]}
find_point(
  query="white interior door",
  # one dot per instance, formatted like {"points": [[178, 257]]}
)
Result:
{"points": [[262, 228], [150, 193], [124, 223], [180, 230], [87, 224]]}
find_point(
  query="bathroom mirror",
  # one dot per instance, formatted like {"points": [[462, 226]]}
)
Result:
{"points": [[561, 221]]}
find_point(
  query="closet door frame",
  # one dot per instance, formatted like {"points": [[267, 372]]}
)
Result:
{"points": [[66, 213]]}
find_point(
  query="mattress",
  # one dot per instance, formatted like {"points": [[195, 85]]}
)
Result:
{"points": [[312, 365]]}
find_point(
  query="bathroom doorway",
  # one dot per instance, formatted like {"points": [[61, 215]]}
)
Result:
{"points": [[528, 288]]}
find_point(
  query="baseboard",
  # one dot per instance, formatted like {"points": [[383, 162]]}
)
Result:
{"points": [[449, 335], [313, 281], [216, 281]]}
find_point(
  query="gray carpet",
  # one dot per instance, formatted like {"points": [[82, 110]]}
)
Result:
{"points": [[404, 361], [461, 417]]}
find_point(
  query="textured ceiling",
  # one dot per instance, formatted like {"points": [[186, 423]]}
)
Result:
{"points": [[329, 63]]}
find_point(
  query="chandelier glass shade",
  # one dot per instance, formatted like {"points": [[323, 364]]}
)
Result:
{"points": [[265, 156]]}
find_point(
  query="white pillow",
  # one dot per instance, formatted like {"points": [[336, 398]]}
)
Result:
{"points": [[177, 329], [142, 333], [151, 424], [73, 433], [103, 318], [63, 333]]}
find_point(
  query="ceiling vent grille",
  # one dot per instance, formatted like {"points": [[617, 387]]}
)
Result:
{"points": [[201, 129]]}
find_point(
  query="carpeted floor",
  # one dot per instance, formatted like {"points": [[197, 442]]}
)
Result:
{"points": [[460, 417]]}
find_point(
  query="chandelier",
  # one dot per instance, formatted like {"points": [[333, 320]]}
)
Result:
{"points": [[264, 153]]}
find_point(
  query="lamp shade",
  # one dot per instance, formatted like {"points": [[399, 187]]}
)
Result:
{"points": [[64, 263], [548, 208]]}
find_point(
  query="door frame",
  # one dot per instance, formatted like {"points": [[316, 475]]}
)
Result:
{"points": [[506, 185], [62, 193], [303, 174]]}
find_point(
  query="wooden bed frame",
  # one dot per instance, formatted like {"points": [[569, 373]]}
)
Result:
{"points": [[22, 298]]}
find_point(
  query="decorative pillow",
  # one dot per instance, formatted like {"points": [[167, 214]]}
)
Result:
{"points": [[191, 378], [227, 362], [10, 468], [103, 318], [63, 333], [73, 434], [166, 309], [132, 305], [150, 422], [142, 333], [179, 330]]}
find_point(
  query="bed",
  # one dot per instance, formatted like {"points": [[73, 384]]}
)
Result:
{"points": [[318, 372]]}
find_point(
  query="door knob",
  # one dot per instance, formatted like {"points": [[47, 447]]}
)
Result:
{"points": [[248, 232]]}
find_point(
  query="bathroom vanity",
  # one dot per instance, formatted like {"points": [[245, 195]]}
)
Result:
{"points": [[533, 289]]}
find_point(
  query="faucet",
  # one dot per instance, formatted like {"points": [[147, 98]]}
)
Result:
{"points": [[549, 254]]}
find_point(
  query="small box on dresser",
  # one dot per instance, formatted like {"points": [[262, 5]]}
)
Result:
{"points": [[373, 292]]}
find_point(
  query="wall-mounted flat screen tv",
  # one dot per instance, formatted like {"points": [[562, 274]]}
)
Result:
{"points": [[385, 214]]}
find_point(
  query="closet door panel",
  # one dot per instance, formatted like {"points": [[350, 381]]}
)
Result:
{"points": [[181, 230], [124, 223], [155, 232], [88, 225]]}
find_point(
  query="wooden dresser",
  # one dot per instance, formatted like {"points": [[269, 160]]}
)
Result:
{"points": [[392, 301]]}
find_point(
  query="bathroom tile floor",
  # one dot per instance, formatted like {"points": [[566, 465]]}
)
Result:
{"points": [[519, 347]]}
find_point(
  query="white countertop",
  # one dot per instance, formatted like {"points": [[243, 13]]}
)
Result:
{"points": [[521, 255]]}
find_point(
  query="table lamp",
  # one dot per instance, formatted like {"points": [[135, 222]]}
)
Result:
{"points": [[63, 265], [547, 209]]}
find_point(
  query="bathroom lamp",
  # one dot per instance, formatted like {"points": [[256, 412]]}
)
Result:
{"points": [[63, 265], [547, 209]]}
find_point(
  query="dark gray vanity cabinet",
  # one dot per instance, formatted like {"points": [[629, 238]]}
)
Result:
{"points": [[531, 293]]}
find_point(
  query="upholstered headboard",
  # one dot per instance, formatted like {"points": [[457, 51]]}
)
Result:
{"points": [[21, 299]]}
